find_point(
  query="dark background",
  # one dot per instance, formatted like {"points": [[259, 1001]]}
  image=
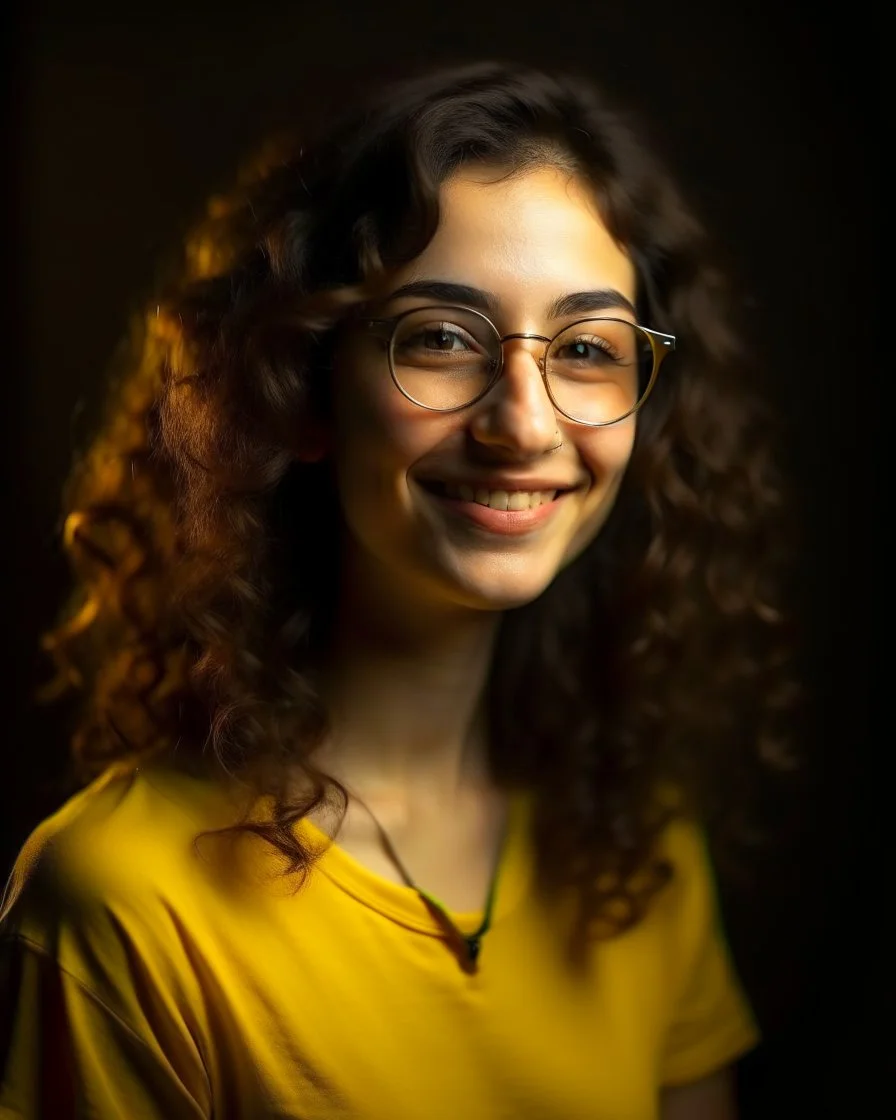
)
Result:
{"points": [[121, 120]]}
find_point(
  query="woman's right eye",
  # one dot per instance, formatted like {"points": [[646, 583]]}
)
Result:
{"points": [[443, 338]]}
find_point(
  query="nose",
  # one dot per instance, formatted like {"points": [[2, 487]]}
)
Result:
{"points": [[517, 416]]}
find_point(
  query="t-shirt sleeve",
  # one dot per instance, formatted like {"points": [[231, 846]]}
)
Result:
{"points": [[712, 1023], [96, 1015], [66, 1054]]}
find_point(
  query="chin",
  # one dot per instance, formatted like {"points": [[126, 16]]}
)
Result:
{"points": [[499, 594]]}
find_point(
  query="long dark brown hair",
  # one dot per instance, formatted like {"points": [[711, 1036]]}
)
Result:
{"points": [[659, 661]]}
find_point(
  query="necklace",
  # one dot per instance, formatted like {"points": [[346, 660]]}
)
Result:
{"points": [[472, 941]]}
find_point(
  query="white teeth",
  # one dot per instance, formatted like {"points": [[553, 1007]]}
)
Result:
{"points": [[500, 499]]}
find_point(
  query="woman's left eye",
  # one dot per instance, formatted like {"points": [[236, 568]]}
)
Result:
{"points": [[586, 349]]}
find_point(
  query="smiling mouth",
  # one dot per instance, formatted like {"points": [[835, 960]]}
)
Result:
{"points": [[513, 501]]}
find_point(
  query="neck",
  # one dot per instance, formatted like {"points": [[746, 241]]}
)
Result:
{"points": [[404, 683]]}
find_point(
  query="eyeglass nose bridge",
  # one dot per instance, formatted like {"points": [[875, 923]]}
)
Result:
{"points": [[541, 361]]}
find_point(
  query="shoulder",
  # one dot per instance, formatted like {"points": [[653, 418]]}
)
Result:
{"points": [[683, 843], [93, 956], [685, 847], [126, 837], [685, 913]]}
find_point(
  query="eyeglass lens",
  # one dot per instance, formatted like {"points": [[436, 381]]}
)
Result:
{"points": [[447, 357]]}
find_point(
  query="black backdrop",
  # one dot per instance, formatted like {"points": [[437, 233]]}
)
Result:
{"points": [[120, 120]]}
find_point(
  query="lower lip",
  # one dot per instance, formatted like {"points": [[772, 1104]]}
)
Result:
{"points": [[511, 522]]}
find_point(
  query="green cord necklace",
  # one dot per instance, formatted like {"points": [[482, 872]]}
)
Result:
{"points": [[472, 941]]}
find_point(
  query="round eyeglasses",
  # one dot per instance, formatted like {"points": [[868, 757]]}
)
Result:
{"points": [[597, 371]]}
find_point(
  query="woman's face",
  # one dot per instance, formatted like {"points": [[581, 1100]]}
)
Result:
{"points": [[524, 244]]}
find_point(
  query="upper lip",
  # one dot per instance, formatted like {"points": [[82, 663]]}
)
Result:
{"points": [[501, 482]]}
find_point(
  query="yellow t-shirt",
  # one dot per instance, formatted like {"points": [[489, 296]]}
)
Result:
{"points": [[151, 982]]}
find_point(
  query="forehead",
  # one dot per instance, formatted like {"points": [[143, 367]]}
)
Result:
{"points": [[532, 235]]}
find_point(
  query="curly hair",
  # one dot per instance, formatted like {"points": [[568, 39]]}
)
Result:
{"points": [[661, 659]]}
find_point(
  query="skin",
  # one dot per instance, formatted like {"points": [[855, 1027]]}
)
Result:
{"points": [[711, 1098], [423, 591], [527, 240]]}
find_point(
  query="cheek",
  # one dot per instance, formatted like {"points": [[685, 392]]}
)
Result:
{"points": [[607, 451], [606, 454], [378, 436], [368, 411]]}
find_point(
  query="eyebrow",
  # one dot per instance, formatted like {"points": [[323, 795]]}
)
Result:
{"points": [[599, 299]]}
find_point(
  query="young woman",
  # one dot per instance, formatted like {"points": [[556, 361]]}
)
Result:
{"points": [[430, 609]]}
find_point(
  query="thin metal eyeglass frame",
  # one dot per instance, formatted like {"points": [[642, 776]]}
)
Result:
{"points": [[661, 345]]}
